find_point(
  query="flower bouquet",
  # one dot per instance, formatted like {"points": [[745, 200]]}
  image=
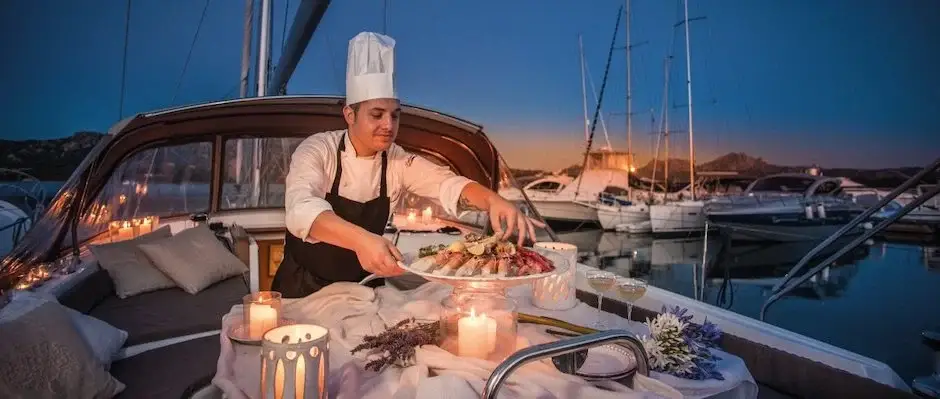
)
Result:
{"points": [[678, 347]]}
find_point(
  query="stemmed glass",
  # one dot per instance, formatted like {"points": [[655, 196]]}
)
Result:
{"points": [[630, 290], [602, 282]]}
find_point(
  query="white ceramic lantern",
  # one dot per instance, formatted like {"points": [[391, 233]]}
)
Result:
{"points": [[295, 362], [559, 291]]}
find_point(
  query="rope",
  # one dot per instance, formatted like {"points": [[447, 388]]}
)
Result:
{"points": [[189, 56]]}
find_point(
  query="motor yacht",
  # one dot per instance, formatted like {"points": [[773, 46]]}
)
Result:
{"points": [[785, 207], [191, 154]]}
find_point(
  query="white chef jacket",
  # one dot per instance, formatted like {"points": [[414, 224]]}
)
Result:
{"points": [[313, 168]]}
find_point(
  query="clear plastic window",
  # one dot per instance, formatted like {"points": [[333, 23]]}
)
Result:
{"points": [[256, 179]]}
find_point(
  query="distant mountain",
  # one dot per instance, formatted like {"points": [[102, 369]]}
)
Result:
{"points": [[49, 160], [747, 165]]}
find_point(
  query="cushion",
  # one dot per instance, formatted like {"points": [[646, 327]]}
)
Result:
{"points": [[88, 292], [104, 340], [194, 259], [41, 356], [132, 271], [170, 371], [169, 313]]}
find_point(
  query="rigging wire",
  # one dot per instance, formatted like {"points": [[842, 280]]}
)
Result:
{"points": [[189, 55], [127, 29]]}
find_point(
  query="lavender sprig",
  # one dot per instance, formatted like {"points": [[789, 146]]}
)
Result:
{"points": [[397, 344], [682, 348]]}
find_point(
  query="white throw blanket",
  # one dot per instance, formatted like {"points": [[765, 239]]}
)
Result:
{"points": [[351, 312]]}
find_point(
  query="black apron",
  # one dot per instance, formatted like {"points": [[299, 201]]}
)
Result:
{"points": [[306, 267]]}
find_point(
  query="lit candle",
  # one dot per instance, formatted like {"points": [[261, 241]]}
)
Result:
{"points": [[299, 374], [145, 226], [426, 215], [261, 318], [412, 217], [126, 231], [476, 335]]}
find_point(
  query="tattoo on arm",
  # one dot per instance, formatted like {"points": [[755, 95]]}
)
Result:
{"points": [[463, 204]]}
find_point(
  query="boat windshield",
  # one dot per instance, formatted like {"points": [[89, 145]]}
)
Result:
{"points": [[782, 184], [175, 180]]}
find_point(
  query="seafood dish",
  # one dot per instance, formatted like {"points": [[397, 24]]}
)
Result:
{"points": [[478, 256]]}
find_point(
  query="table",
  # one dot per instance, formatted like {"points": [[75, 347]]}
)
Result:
{"points": [[351, 312]]}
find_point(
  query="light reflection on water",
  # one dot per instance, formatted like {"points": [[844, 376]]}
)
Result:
{"points": [[874, 301]]}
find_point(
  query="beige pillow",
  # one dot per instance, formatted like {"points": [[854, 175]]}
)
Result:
{"points": [[131, 270], [42, 356], [194, 258]]}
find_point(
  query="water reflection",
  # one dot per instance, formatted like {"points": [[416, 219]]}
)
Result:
{"points": [[874, 300]]}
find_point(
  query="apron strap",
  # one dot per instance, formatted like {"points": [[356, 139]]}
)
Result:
{"points": [[383, 185]]}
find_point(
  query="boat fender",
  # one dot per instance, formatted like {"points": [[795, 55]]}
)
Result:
{"points": [[809, 212], [822, 211], [867, 226]]}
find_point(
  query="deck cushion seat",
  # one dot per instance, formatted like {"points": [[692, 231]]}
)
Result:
{"points": [[169, 313], [173, 371]]}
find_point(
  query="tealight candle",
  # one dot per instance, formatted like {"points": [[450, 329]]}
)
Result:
{"points": [[426, 215], [145, 226], [126, 231], [412, 216], [476, 335]]}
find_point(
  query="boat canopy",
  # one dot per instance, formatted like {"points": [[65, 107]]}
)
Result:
{"points": [[223, 157]]}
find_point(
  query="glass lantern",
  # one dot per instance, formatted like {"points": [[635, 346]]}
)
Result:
{"points": [[481, 325]]}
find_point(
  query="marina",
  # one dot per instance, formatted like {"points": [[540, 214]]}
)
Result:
{"points": [[275, 244]]}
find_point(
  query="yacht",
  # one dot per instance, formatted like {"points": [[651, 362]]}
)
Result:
{"points": [[172, 343], [688, 216], [575, 205], [925, 219], [785, 207]]}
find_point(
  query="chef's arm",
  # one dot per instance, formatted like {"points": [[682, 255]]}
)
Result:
{"points": [[475, 197], [307, 214]]}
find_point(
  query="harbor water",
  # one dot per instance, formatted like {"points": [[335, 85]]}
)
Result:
{"points": [[875, 301]]}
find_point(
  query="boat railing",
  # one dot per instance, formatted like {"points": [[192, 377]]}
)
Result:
{"points": [[775, 199], [562, 347], [790, 281]]}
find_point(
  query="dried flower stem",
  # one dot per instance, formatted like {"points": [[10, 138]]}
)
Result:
{"points": [[397, 344]]}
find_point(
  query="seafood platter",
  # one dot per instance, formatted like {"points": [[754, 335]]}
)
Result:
{"points": [[484, 262]]}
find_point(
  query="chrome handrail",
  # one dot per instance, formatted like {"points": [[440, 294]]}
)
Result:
{"points": [[855, 222], [536, 352], [787, 285]]}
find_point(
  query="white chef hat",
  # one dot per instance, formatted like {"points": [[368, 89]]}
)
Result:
{"points": [[370, 68]]}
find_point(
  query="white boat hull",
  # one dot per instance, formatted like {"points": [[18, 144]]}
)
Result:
{"points": [[678, 217], [611, 216], [566, 211]]}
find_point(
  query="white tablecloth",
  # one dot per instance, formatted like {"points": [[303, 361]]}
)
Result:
{"points": [[351, 311]]}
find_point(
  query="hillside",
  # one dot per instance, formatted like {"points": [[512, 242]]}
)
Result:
{"points": [[50, 160], [55, 159]]}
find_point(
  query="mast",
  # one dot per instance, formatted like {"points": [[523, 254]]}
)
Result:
{"points": [[587, 127], [668, 64], [264, 54], [243, 85], [629, 110], [688, 85]]}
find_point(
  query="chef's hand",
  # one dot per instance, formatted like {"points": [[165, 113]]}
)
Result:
{"points": [[503, 212], [378, 255]]}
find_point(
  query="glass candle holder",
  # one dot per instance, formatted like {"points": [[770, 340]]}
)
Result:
{"points": [[559, 291], [481, 325], [262, 312]]}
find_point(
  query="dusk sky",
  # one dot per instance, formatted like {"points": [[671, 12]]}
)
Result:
{"points": [[833, 82]]}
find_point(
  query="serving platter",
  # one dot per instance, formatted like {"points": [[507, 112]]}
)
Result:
{"points": [[416, 265]]}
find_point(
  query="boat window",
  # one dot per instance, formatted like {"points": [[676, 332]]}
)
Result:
{"points": [[162, 181], [786, 184], [244, 186], [614, 190], [546, 186], [827, 188]]}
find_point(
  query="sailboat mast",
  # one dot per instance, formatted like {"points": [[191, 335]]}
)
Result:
{"points": [[583, 89], [688, 85], [246, 48], [264, 56], [629, 109]]}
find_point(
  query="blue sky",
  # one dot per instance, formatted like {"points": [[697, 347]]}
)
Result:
{"points": [[835, 82]]}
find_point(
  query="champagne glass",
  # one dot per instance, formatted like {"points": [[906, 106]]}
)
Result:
{"points": [[630, 290], [602, 282]]}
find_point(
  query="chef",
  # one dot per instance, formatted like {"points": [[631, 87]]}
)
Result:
{"points": [[342, 185]]}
